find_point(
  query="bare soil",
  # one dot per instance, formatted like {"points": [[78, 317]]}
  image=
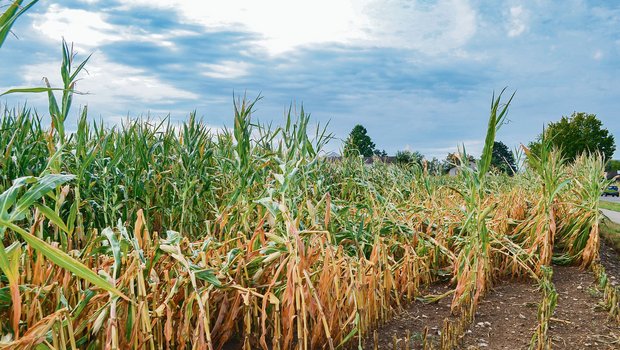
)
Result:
{"points": [[579, 322], [414, 320], [506, 318]]}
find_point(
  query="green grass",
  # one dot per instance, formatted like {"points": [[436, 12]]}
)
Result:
{"points": [[610, 232], [609, 205]]}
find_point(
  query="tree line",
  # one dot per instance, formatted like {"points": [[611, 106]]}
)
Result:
{"points": [[572, 135]]}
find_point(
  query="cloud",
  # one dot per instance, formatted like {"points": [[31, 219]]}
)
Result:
{"points": [[283, 25], [112, 86], [517, 21], [418, 73], [598, 55], [90, 29], [473, 147], [226, 69], [428, 27]]}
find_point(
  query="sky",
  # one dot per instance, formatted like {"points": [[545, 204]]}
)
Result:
{"points": [[418, 74]]}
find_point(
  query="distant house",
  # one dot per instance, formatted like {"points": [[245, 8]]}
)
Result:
{"points": [[386, 160], [332, 155], [335, 157], [612, 174], [454, 170]]}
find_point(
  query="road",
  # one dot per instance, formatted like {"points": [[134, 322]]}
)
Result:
{"points": [[612, 215]]}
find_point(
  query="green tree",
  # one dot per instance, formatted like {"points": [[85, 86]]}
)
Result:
{"points": [[359, 143], [380, 153], [434, 166], [503, 159], [408, 157], [613, 165], [581, 132]]}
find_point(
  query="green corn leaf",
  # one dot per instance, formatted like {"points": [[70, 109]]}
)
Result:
{"points": [[207, 275], [53, 105], [30, 90], [9, 13], [8, 197], [63, 260], [9, 260], [40, 189], [116, 248], [9, 17], [52, 216]]}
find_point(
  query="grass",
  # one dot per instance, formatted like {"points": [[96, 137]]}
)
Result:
{"points": [[614, 206], [610, 231]]}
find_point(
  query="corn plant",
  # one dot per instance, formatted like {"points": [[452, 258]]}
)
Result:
{"points": [[580, 233], [540, 230], [473, 265], [16, 202], [541, 339], [10, 15]]}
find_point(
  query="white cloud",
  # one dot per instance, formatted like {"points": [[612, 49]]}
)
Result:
{"points": [[226, 69], [517, 23], [82, 27], [598, 55], [473, 147], [283, 25], [111, 85], [431, 28], [88, 29]]}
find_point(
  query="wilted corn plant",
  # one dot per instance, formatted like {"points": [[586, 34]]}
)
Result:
{"points": [[473, 269], [541, 339], [611, 293], [579, 234], [485, 249], [538, 231]]}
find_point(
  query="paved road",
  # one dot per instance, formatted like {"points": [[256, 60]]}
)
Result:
{"points": [[611, 199], [612, 215]]}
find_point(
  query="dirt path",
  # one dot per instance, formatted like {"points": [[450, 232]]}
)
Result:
{"points": [[578, 322], [415, 319], [506, 318]]}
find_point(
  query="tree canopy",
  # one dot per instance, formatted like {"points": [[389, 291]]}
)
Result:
{"points": [[408, 157], [581, 132], [502, 159], [380, 153], [359, 143], [613, 165]]}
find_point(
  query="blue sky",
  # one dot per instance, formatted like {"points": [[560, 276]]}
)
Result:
{"points": [[418, 75]]}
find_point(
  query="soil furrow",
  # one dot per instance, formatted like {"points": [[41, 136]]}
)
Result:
{"points": [[579, 321], [413, 321], [506, 318]]}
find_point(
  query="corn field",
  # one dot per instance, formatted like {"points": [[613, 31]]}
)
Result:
{"points": [[249, 238], [154, 235]]}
